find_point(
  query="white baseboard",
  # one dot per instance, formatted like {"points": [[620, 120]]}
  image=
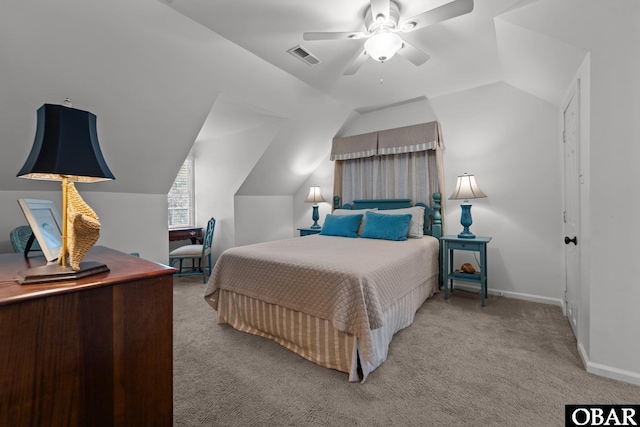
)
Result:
{"points": [[591, 367], [517, 295], [608, 371], [583, 356]]}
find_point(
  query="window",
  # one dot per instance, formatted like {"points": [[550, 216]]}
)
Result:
{"points": [[181, 198]]}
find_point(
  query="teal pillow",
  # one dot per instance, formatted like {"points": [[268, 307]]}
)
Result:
{"points": [[341, 225], [387, 227]]}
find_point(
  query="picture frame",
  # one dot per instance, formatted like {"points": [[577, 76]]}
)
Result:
{"points": [[46, 225]]}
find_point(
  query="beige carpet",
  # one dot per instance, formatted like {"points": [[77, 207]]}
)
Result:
{"points": [[512, 363]]}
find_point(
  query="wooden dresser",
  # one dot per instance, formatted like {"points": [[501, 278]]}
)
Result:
{"points": [[92, 352]]}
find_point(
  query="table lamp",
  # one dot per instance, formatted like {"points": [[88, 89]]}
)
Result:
{"points": [[66, 149], [314, 197], [466, 188]]}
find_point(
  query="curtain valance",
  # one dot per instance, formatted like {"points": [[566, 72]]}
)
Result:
{"points": [[355, 147], [407, 139]]}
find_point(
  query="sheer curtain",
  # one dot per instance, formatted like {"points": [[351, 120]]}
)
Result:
{"points": [[394, 176]]}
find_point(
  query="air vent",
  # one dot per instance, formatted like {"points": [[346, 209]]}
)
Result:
{"points": [[304, 55]]}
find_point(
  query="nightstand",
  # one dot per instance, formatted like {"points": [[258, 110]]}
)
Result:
{"points": [[309, 231], [449, 273]]}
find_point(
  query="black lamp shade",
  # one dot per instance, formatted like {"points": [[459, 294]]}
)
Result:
{"points": [[66, 144]]}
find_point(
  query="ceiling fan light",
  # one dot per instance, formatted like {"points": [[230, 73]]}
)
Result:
{"points": [[383, 46]]}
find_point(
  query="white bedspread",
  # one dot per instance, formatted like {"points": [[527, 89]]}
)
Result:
{"points": [[347, 281]]}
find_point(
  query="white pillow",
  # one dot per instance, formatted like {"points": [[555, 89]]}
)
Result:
{"points": [[416, 226], [354, 212]]}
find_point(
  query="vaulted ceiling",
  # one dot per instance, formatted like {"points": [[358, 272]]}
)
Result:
{"points": [[466, 51], [162, 74]]}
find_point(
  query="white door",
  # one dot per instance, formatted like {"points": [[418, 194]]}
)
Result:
{"points": [[571, 206]]}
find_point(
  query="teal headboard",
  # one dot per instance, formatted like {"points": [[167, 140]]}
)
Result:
{"points": [[432, 215]]}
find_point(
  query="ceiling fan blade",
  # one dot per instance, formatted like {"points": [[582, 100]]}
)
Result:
{"points": [[356, 63], [333, 36], [439, 14], [413, 54], [380, 7]]}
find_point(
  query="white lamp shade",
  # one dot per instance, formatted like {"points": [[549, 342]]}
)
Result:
{"points": [[467, 188], [383, 46], [315, 195]]}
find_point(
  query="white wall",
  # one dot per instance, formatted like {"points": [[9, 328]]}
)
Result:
{"points": [[509, 140], [137, 65], [614, 154], [221, 166], [271, 160], [129, 222], [410, 113], [263, 218]]}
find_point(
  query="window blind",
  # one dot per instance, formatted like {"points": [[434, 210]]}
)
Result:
{"points": [[181, 198]]}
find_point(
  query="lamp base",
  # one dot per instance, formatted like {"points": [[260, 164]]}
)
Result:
{"points": [[54, 272], [315, 217], [465, 221], [466, 235]]}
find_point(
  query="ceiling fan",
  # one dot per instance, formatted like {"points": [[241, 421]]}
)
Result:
{"points": [[382, 21]]}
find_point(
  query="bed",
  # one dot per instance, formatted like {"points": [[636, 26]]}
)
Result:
{"points": [[336, 301]]}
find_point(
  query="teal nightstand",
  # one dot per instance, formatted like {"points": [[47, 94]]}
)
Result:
{"points": [[309, 231], [449, 274]]}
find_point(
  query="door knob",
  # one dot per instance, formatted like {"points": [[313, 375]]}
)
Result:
{"points": [[567, 240]]}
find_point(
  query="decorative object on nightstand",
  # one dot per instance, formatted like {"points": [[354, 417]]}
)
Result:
{"points": [[314, 197], [66, 149], [467, 268], [449, 274], [466, 188]]}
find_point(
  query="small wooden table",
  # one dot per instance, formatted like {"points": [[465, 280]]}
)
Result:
{"points": [[449, 274], [194, 234], [96, 351]]}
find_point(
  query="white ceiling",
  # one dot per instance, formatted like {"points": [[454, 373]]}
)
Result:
{"points": [[493, 43], [467, 51], [157, 76]]}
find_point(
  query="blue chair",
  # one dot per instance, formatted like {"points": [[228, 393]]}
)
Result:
{"points": [[200, 253], [20, 237]]}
